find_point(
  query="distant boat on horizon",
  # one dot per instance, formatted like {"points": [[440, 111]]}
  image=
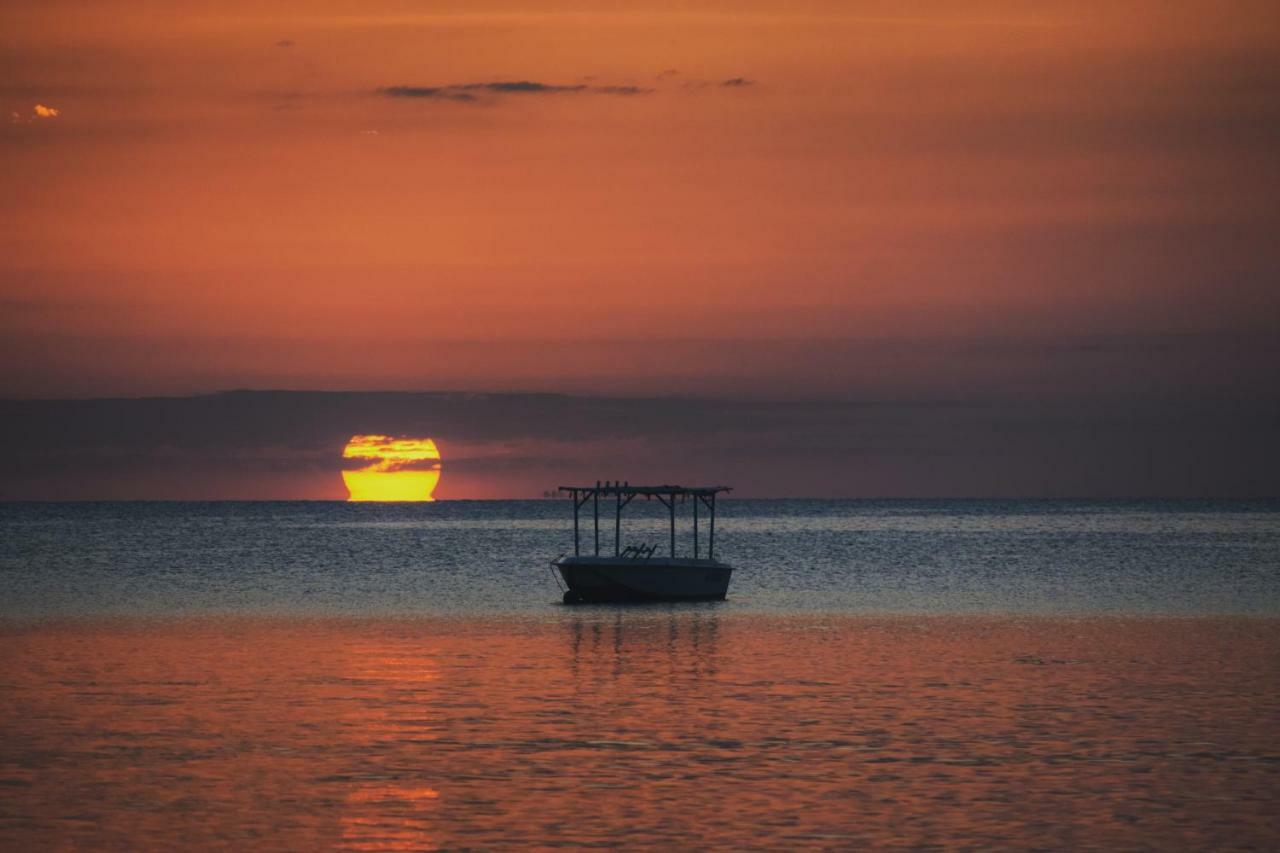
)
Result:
{"points": [[634, 573]]}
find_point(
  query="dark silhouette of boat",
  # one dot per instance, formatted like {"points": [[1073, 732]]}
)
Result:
{"points": [[636, 573]]}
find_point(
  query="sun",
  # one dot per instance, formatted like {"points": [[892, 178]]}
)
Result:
{"points": [[390, 468]]}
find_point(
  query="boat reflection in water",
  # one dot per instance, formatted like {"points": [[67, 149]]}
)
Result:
{"points": [[635, 573], [826, 731]]}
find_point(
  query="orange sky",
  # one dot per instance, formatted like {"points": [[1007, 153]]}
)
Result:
{"points": [[229, 195]]}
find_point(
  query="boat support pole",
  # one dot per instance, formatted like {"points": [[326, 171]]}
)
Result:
{"points": [[577, 506], [595, 507], [696, 501], [673, 526], [711, 538]]}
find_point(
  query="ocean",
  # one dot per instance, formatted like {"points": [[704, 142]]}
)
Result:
{"points": [[491, 557], [923, 674]]}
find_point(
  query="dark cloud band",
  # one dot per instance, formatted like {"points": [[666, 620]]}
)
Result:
{"points": [[470, 91]]}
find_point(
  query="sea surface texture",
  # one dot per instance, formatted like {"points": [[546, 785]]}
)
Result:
{"points": [[492, 557], [885, 675]]}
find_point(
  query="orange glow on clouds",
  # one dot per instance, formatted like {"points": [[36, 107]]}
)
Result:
{"points": [[389, 468], [752, 182]]}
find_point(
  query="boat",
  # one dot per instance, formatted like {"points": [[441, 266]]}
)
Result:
{"points": [[636, 572]]}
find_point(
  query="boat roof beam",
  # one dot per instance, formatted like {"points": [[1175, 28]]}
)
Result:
{"points": [[667, 495], [626, 490]]}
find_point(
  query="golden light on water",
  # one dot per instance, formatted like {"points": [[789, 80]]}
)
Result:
{"points": [[391, 468]]}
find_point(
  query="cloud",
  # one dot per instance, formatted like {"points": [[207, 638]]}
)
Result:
{"points": [[39, 112], [291, 444], [445, 93], [621, 90], [523, 86], [707, 85], [469, 92], [386, 454]]}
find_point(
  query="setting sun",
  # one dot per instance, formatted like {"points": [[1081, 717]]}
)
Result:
{"points": [[391, 468]]}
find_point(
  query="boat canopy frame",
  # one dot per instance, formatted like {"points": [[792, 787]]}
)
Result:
{"points": [[624, 493]]}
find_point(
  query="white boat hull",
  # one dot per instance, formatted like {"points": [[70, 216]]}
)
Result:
{"points": [[601, 579]]}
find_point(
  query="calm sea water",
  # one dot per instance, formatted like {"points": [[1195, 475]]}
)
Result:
{"points": [[303, 676], [470, 558]]}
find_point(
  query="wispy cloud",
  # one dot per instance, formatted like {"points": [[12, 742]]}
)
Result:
{"points": [[621, 90], [523, 87], [696, 85], [38, 113], [470, 92], [444, 93]]}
